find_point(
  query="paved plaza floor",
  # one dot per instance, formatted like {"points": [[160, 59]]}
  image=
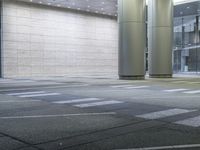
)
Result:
{"points": [[99, 113]]}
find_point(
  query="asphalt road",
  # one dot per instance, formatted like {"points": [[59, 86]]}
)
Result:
{"points": [[99, 113]]}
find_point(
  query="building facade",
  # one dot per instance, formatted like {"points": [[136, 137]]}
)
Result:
{"points": [[39, 40], [42, 40], [186, 51]]}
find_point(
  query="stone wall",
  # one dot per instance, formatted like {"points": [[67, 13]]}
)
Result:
{"points": [[46, 41]]}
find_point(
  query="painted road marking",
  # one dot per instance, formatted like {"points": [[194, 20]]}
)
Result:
{"points": [[163, 114], [187, 82], [120, 82], [180, 82], [194, 83], [193, 122], [136, 87], [15, 81], [192, 92], [175, 90], [24, 93], [98, 104], [17, 101], [166, 147], [39, 95], [120, 86], [52, 87], [60, 115], [129, 86], [77, 100]]}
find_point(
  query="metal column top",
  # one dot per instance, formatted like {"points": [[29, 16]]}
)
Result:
{"points": [[132, 11], [161, 14]]}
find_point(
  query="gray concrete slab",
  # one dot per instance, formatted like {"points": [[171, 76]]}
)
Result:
{"points": [[36, 130], [110, 133], [7, 143], [151, 137], [41, 124]]}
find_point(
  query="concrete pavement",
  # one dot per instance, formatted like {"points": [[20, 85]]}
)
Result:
{"points": [[99, 113]]}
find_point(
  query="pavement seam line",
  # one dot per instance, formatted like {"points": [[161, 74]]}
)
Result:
{"points": [[110, 137], [22, 141], [92, 132], [165, 147]]}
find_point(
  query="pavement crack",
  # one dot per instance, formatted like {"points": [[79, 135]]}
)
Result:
{"points": [[109, 137], [89, 133], [22, 141]]}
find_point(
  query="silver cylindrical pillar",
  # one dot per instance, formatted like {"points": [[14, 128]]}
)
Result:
{"points": [[160, 37], [132, 38]]}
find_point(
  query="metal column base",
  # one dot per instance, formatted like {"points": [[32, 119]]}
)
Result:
{"points": [[131, 77], [160, 76]]}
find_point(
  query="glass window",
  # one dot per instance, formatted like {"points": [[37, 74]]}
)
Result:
{"points": [[186, 50]]}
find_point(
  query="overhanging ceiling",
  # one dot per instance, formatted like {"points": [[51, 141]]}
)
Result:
{"points": [[187, 9], [109, 7], [105, 7]]}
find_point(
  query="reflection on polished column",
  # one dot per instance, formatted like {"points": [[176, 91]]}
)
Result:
{"points": [[1, 19], [132, 39], [160, 35]]}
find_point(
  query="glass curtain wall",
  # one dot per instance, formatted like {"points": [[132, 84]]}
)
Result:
{"points": [[186, 50]]}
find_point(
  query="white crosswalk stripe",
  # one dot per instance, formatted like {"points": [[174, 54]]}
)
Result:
{"points": [[180, 82], [164, 113], [15, 81], [21, 101], [120, 86], [97, 104], [129, 86], [186, 82], [194, 83], [25, 93], [193, 122], [39, 95], [192, 92], [175, 90], [77, 100], [136, 87]]}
